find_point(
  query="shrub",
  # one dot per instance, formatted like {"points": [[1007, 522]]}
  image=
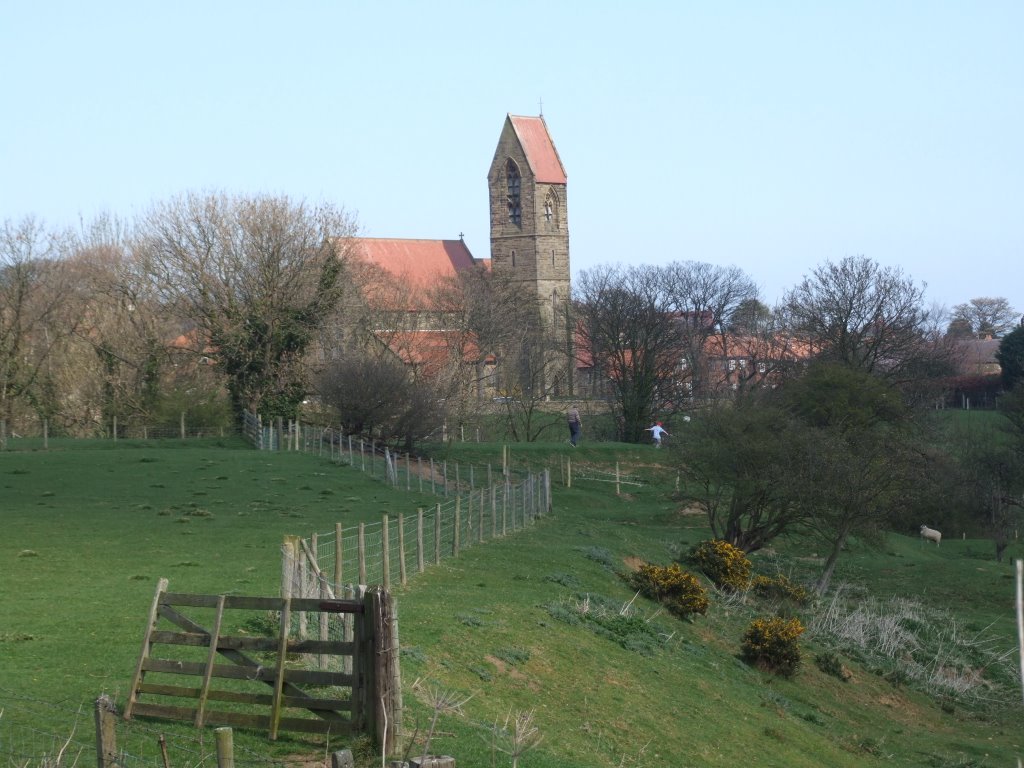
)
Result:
{"points": [[831, 664], [772, 644], [726, 565], [678, 590], [780, 588]]}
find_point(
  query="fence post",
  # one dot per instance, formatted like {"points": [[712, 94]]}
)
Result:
{"points": [[289, 559], [338, 555], [494, 511], [420, 565], [458, 524], [547, 491], [182, 425], [362, 553], [280, 433], [618, 490], [401, 550], [437, 536], [225, 747], [381, 670], [480, 527], [568, 472], [504, 508], [106, 741], [385, 551]]}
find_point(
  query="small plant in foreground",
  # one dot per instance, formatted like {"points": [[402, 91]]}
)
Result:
{"points": [[516, 736], [726, 565], [440, 702], [680, 591], [772, 645]]}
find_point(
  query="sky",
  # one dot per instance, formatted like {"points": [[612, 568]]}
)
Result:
{"points": [[770, 136]]}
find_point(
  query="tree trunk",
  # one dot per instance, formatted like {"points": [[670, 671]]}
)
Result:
{"points": [[830, 564]]}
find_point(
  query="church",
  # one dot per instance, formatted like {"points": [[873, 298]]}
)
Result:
{"points": [[529, 242]]}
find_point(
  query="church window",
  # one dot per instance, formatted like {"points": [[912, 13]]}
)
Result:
{"points": [[513, 258], [552, 257], [515, 180], [551, 209]]}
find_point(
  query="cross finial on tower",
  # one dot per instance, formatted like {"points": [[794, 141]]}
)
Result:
{"points": [[541, 107]]}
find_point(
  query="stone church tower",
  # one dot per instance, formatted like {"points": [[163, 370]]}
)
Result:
{"points": [[530, 225]]}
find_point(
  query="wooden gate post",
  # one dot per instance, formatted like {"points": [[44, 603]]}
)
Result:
{"points": [[106, 741], [381, 710]]}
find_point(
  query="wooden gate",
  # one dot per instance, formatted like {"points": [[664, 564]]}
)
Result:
{"points": [[342, 687]]}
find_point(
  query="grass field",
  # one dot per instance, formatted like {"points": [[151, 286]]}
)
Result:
{"points": [[529, 623]]}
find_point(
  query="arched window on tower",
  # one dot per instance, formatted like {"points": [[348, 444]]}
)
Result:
{"points": [[515, 210]]}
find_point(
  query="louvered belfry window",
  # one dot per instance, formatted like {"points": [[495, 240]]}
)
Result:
{"points": [[515, 210]]}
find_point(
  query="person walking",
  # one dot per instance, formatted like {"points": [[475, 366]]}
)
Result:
{"points": [[657, 431], [575, 425]]}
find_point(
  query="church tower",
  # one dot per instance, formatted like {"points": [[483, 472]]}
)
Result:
{"points": [[529, 222]]}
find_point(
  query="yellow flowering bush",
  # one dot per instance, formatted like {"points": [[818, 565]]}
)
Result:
{"points": [[726, 565], [678, 590], [773, 644], [780, 588]]}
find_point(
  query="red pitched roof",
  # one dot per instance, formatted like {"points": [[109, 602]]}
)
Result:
{"points": [[539, 148], [420, 262]]}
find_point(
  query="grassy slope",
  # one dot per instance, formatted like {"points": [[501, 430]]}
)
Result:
{"points": [[105, 524]]}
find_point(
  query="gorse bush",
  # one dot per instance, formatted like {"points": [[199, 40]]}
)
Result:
{"points": [[772, 645], [726, 565], [678, 590], [780, 588]]}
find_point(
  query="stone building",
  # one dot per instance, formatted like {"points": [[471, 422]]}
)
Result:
{"points": [[529, 233]]}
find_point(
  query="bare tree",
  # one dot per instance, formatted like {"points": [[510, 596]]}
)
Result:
{"points": [[34, 316], [376, 395], [258, 277], [703, 298], [985, 316], [869, 318], [497, 329], [631, 338]]}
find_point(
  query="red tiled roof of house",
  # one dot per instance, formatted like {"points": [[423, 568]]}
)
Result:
{"points": [[419, 262], [539, 148]]}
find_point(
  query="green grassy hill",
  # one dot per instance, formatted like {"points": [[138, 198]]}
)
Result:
{"points": [[540, 621]]}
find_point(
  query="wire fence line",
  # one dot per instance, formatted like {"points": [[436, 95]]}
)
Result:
{"points": [[338, 563], [403, 471], [35, 733]]}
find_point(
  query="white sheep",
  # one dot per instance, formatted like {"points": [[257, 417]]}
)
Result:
{"points": [[930, 534]]}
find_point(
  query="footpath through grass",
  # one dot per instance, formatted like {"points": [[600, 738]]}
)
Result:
{"points": [[540, 621]]}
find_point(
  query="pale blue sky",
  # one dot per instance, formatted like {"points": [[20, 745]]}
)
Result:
{"points": [[767, 135]]}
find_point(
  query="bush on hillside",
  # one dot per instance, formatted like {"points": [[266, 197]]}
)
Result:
{"points": [[780, 588], [678, 590], [772, 645], [726, 565]]}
